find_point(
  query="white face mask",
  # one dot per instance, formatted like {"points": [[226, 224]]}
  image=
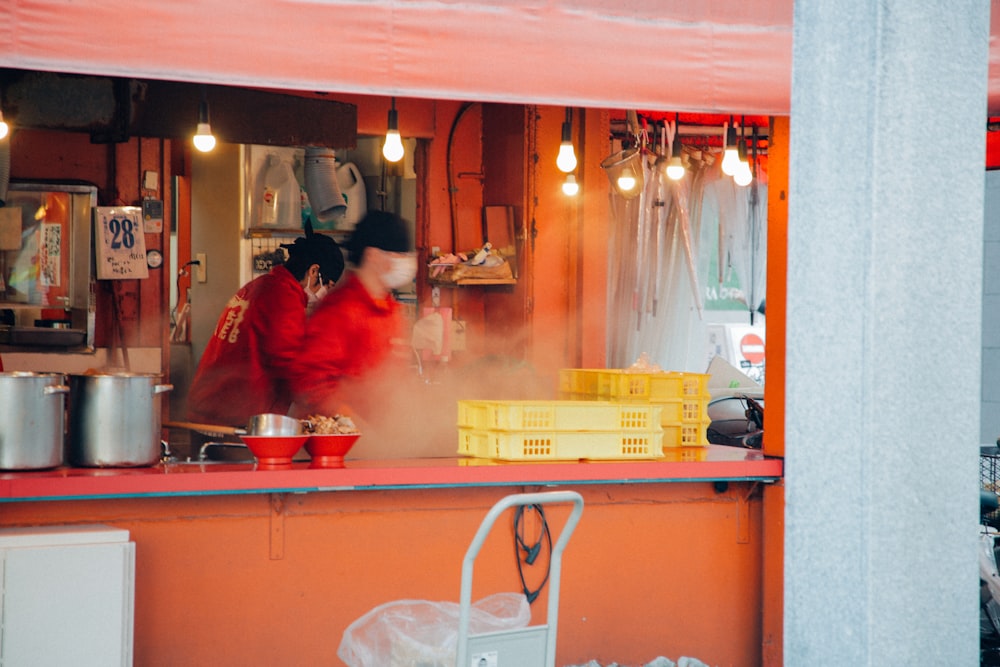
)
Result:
{"points": [[402, 271]]}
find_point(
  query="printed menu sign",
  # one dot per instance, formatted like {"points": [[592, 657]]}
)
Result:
{"points": [[121, 245]]}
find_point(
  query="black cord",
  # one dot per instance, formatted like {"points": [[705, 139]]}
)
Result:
{"points": [[528, 553], [180, 274]]}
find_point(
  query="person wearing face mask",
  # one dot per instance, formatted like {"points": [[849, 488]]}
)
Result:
{"points": [[248, 364], [352, 331]]}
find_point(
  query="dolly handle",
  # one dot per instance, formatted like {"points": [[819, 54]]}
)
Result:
{"points": [[555, 563]]}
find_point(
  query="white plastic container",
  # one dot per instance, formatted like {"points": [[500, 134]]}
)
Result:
{"points": [[352, 184], [279, 199]]}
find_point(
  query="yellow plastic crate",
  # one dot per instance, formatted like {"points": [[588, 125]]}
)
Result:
{"points": [[686, 434], [625, 385], [558, 416], [673, 410], [683, 398], [560, 445]]}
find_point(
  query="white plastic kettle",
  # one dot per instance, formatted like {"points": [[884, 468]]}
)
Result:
{"points": [[352, 185]]}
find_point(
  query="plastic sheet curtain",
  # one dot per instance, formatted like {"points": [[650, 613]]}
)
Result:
{"points": [[737, 217], [657, 264]]}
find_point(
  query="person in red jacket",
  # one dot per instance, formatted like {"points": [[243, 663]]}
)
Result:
{"points": [[247, 366], [353, 331]]}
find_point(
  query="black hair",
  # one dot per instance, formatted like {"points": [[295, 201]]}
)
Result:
{"points": [[314, 249], [379, 229]]}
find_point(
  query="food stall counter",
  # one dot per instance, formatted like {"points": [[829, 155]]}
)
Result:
{"points": [[714, 463]]}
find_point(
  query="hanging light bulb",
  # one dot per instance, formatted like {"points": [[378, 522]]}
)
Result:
{"points": [[627, 180], [730, 157], [392, 149], [566, 160], [743, 175], [4, 128], [204, 140], [675, 168], [570, 187]]}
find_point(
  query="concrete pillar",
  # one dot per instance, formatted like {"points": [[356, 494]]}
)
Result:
{"points": [[885, 255]]}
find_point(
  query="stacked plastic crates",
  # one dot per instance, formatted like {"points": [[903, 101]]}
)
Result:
{"points": [[683, 397], [559, 430]]}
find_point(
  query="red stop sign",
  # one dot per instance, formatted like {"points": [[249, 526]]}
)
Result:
{"points": [[752, 348]]}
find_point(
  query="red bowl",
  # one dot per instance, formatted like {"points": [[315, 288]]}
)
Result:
{"points": [[274, 449], [328, 450]]}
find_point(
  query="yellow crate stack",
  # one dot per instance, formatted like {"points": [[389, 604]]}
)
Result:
{"points": [[559, 430], [683, 396]]}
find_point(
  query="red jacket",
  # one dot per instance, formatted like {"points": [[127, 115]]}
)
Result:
{"points": [[348, 342], [248, 362]]}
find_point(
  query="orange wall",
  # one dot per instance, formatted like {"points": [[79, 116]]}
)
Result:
{"points": [[554, 316], [652, 569], [777, 270]]}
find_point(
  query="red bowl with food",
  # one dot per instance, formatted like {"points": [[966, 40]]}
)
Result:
{"points": [[272, 450], [328, 449]]}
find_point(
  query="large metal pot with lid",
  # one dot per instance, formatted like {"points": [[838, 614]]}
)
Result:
{"points": [[32, 406], [114, 419]]}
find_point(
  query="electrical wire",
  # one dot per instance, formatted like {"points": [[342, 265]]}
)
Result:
{"points": [[525, 553], [180, 274], [452, 203]]}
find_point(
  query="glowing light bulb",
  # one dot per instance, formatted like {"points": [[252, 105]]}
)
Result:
{"points": [[4, 128], [392, 149], [570, 187], [203, 138], [566, 161], [675, 169], [742, 176], [731, 157], [626, 182], [730, 160]]}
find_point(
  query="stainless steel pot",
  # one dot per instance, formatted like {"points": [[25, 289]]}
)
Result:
{"points": [[32, 406], [114, 420]]}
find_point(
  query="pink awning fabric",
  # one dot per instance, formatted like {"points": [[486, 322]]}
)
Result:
{"points": [[713, 56]]}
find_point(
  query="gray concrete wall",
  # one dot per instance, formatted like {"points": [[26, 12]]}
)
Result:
{"points": [[884, 319], [990, 415]]}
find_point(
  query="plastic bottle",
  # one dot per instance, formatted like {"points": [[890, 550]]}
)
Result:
{"points": [[280, 201]]}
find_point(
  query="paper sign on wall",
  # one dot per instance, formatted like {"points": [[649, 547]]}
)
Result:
{"points": [[121, 245]]}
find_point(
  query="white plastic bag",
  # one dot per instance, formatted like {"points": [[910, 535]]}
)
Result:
{"points": [[405, 633]]}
